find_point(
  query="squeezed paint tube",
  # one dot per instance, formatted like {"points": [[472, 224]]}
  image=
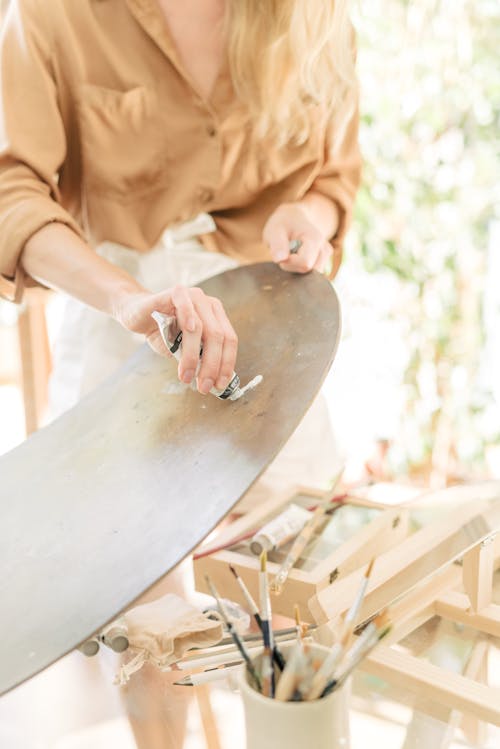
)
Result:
{"points": [[281, 529], [172, 338]]}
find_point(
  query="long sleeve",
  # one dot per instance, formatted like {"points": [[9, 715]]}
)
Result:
{"points": [[32, 140], [340, 174]]}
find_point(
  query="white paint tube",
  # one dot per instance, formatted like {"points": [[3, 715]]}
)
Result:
{"points": [[280, 529], [172, 338]]}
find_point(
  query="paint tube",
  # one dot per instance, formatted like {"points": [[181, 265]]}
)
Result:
{"points": [[172, 338], [89, 647], [116, 636], [280, 529]]}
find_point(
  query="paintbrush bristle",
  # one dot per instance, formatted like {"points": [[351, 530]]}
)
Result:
{"points": [[263, 561], [297, 614], [382, 620], [369, 568], [233, 571]]}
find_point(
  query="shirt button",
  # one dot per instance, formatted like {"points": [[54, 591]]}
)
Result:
{"points": [[205, 195], [211, 130]]}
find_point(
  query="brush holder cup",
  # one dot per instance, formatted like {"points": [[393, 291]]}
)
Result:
{"points": [[316, 724]]}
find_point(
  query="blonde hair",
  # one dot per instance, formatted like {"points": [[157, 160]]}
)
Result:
{"points": [[286, 55]]}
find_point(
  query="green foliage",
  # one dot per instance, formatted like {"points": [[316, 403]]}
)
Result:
{"points": [[430, 105]]}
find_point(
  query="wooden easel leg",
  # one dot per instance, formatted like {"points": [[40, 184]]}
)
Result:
{"points": [[477, 572], [207, 716], [475, 730]]}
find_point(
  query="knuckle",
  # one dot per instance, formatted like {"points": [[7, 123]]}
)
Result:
{"points": [[180, 295], [217, 304], [214, 334]]}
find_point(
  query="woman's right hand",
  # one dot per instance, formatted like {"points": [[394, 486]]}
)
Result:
{"points": [[203, 322]]}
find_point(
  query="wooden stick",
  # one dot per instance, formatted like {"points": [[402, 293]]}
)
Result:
{"points": [[478, 574], [456, 607], [476, 730], [207, 717], [407, 565], [298, 547], [471, 671], [433, 683]]}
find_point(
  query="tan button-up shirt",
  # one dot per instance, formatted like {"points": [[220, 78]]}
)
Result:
{"points": [[103, 130]]}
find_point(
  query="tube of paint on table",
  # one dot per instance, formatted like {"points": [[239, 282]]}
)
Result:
{"points": [[172, 338], [280, 529]]}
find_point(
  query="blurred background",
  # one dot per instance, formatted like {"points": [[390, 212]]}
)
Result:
{"points": [[415, 389], [421, 277]]}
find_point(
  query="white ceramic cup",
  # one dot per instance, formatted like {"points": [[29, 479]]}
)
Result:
{"points": [[317, 724]]}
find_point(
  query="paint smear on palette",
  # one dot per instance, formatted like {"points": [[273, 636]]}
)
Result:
{"points": [[175, 388], [251, 385], [178, 388]]}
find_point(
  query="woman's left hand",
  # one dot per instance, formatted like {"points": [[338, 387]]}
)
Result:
{"points": [[291, 221]]}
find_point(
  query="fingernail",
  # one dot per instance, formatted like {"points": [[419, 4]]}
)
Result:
{"points": [[221, 383], [280, 257], [206, 385], [188, 376]]}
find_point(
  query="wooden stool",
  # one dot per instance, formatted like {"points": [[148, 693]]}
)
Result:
{"points": [[35, 356]]}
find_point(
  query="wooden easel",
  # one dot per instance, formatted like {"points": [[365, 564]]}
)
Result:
{"points": [[457, 593], [385, 531]]}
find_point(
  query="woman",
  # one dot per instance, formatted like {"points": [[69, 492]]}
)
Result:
{"points": [[149, 143]]}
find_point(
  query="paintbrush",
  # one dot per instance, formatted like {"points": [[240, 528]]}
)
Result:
{"points": [[232, 631], [298, 547], [277, 656], [309, 665], [336, 654], [292, 673], [210, 674], [295, 666], [368, 640], [353, 613], [302, 540], [218, 657], [267, 630], [248, 598], [278, 634], [298, 625]]}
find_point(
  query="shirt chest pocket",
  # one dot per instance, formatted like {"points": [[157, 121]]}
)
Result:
{"points": [[123, 141]]}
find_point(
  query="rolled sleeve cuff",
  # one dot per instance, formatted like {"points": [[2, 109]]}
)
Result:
{"points": [[16, 228]]}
